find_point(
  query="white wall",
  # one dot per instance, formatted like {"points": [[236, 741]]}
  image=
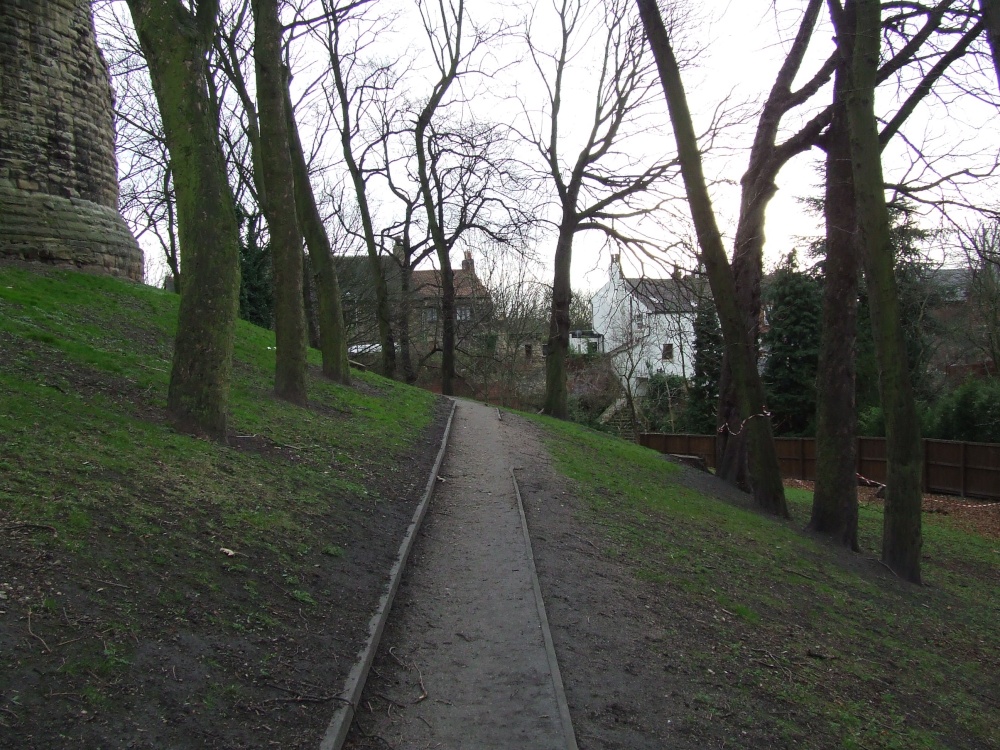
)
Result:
{"points": [[635, 337]]}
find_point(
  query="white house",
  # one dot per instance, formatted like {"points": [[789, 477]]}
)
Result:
{"points": [[648, 325], [586, 342]]}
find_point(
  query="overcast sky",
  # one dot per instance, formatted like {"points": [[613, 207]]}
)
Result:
{"points": [[740, 44]]}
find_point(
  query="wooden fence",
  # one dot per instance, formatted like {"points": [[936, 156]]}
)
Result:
{"points": [[950, 467]]}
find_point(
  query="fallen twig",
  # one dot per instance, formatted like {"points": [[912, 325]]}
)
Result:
{"points": [[423, 690], [42, 526], [300, 697], [397, 659], [389, 700], [98, 580], [818, 655], [797, 573], [884, 565], [32, 632]]}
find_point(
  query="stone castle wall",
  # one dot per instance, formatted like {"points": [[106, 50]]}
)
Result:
{"points": [[58, 174]]}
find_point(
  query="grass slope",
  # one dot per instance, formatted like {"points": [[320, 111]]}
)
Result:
{"points": [[805, 644], [158, 590]]}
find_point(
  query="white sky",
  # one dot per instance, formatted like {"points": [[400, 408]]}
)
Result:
{"points": [[741, 44]]}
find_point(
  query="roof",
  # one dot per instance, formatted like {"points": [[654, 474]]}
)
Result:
{"points": [[427, 284], [953, 283], [663, 295]]}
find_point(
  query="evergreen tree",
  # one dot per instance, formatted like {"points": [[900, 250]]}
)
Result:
{"points": [[917, 292], [703, 395], [791, 345], [256, 294]]}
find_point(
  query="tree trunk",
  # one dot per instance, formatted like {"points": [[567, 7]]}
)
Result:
{"points": [[436, 231], [835, 501], [279, 208], [991, 15], [198, 395], [901, 530], [332, 336], [403, 325], [382, 307], [757, 188], [748, 269], [556, 393], [768, 491], [447, 325], [308, 290]]}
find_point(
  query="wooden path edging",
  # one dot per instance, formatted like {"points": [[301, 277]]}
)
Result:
{"points": [[350, 696]]}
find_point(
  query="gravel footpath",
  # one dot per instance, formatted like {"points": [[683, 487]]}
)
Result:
{"points": [[463, 662]]}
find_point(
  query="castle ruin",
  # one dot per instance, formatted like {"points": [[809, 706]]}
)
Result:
{"points": [[58, 174]]}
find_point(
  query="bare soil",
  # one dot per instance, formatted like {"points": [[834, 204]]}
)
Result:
{"points": [[190, 675]]}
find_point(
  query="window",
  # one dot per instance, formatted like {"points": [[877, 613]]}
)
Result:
{"points": [[430, 315], [527, 351], [463, 313], [668, 352], [591, 347]]}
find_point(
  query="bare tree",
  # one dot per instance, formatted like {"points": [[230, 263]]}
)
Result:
{"points": [[332, 336], [175, 41], [279, 206], [355, 86], [604, 184], [901, 532], [923, 43], [147, 201], [758, 187], [766, 478], [978, 327]]}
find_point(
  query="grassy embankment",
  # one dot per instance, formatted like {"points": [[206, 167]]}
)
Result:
{"points": [[840, 652], [116, 528]]}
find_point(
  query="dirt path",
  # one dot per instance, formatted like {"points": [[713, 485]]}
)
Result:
{"points": [[463, 662]]}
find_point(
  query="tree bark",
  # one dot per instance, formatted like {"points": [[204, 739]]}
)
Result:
{"points": [[175, 43], [332, 335], [308, 308], [556, 393], [901, 530], [405, 284], [991, 15], [768, 490], [758, 187], [279, 208], [835, 501]]}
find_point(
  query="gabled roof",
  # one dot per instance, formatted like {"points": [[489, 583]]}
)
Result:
{"points": [[953, 283], [664, 295], [427, 284]]}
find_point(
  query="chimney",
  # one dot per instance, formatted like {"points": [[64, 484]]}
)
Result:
{"points": [[468, 264]]}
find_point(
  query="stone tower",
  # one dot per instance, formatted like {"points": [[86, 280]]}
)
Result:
{"points": [[58, 175]]}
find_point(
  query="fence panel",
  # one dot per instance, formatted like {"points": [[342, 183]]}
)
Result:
{"points": [[871, 459], [966, 469], [796, 457], [950, 468], [943, 472]]}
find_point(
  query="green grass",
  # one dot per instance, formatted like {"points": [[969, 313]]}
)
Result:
{"points": [[116, 495], [866, 660]]}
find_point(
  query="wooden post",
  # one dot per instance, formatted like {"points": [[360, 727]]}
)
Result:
{"points": [[927, 456], [963, 467]]}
